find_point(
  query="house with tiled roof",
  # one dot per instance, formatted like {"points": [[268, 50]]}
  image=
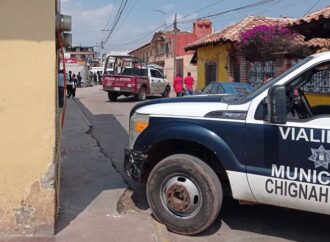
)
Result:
{"points": [[217, 56], [314, 25]]}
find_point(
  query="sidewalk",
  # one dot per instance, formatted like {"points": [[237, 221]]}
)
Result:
{"points": [[90, 190]]}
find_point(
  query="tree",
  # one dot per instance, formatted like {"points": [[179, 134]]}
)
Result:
{"points": [[262, 42]]}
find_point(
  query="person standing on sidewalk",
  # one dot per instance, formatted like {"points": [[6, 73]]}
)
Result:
{"points": [[60, 80], [95, 78], [69, 86], [99, 77], [189, 83], [178, 85], [79, 78], [74, 86]]}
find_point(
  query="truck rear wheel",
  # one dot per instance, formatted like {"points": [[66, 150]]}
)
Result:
{"points": [[184, 193], [112, 96], [142, 94]]}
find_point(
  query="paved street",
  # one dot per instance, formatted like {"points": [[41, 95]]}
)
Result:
{"points": [[236, 223]]}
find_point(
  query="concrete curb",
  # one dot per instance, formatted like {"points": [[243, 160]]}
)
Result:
{"points": [[83, 116]]}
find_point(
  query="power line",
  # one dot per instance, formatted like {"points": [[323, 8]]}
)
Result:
{"points": [[271, 5], [129, 12], [251, 5], [248, 6], [206, 7], [144, 35], [111, 14], [120, 11], [312, 7], [142, 40]]}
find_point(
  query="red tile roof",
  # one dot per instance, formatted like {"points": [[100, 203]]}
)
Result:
{"points": [[315, 16], [232, 33]]}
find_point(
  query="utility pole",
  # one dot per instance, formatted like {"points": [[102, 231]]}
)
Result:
{"points": [[101, 44], [174, 46]]}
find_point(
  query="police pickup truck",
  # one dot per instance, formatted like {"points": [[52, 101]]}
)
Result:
{"points": [[271, 146]]}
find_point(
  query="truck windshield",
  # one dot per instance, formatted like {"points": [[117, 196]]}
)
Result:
{"points": [[265, 86]]}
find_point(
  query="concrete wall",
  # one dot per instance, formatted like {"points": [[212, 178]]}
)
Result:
{"points": [[187, 67], [212, 53], [28, 117]]}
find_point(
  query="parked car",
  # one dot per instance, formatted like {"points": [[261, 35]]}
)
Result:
{"points": [[134, 77], [235, 88]]}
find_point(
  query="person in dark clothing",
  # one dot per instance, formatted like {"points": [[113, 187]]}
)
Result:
{"points": [[69, 85], [74, 85], [99, 77], [79, 78], [95, 78], [60, 79]]}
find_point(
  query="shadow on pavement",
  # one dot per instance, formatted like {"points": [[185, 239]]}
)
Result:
{"points": [[113, 139], [275, 221], [281, 223], [88, 180]]}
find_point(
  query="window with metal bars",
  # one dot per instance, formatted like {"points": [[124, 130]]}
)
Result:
{"points": [[258, 73], [319, 83]]}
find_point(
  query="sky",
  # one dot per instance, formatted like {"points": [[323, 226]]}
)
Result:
{"points": [[143, 17]]}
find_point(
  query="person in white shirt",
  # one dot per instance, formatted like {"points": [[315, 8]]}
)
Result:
{"points": [[60, 80]]}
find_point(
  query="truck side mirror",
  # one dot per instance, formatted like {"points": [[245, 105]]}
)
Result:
{"points": [[276, 105]]}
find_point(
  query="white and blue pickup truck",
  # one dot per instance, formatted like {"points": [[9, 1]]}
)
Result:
{"points": [[271, 146]]}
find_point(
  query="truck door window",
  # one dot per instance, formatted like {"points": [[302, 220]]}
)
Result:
{"points": [[153, 73], [158, 74], [309, 94]]}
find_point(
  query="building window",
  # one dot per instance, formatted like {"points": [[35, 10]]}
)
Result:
{"points": [[168, 49], [179, 67], [210, 72], [259, 72]]}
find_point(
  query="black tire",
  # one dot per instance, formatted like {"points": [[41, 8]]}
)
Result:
{"points": [[168, 177], [112, 96], [166, 92], [142, 96]]}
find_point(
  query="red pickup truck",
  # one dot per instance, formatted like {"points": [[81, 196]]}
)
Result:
{"points": [[131, 76]]}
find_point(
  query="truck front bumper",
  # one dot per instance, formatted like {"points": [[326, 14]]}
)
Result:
{"points": [[134, 161]]}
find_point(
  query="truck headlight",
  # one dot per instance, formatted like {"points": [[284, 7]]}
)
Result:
{"points": [[138, 123]]}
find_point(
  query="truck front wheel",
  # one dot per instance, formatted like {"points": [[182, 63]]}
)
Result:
{"points": [[184, 193], [112, 96]]}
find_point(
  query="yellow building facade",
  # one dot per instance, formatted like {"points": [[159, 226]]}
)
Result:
{"points": [[28, 120], [216, 55]]}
